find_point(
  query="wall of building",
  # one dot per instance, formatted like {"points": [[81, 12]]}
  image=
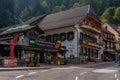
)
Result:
{"points": [[113, 31], [70, 45]]}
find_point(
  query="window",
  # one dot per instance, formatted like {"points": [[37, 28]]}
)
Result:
{"points": [[55, 37], [96, 53], [63, 36], [81, 50], [49, 38], [42, 37], [81, 36], [70, 36]]}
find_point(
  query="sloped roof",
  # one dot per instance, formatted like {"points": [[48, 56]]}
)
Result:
{"points": [[115, 27], [34, 20], [106, 31], [66, 18], [31, 23]]}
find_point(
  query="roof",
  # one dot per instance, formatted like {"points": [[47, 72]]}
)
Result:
{"points": [[35, 20], [31, 23], [115, 27], [67, 18], [106, 31]]}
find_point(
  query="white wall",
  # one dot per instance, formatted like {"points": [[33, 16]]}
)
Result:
{"points": [[70, 45]]}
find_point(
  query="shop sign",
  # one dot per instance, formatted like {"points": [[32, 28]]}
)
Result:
{"points": [[10, 62], [40, 43], [32, 41]]}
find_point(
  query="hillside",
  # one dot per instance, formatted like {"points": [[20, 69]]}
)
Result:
{"points": [[17, 11]]}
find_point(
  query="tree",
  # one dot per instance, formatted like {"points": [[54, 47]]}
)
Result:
{"points": [[76, 5], [117, 15], [58, 8], [108, 14], [6, 13], [45, 7], [25, 14]]}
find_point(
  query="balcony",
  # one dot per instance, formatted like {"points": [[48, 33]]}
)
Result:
{"points": [[110, 49], [89, 43], [90, 29]]}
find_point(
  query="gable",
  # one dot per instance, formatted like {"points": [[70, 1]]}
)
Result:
{"points": [[34, 32]]}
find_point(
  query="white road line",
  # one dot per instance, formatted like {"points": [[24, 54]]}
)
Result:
{"points": [[44, 70], [32, 72], [117, 79], [76, 78], [115, 75], [83, 73], [19, 76]]}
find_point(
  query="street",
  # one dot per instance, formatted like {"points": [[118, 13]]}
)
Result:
{"points": [[76, 72]]}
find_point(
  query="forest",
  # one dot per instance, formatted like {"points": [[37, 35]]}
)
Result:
{"points": [[17, 11]]}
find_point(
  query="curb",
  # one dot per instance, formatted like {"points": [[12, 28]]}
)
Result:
{"points": [[22, 68]]}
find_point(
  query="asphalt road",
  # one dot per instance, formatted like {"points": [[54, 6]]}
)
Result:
{"points": [[62, 73]]}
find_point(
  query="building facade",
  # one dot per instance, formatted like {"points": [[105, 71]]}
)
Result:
{"points": [[114, 29], [109, 45], [78, 30], [30, 50]]}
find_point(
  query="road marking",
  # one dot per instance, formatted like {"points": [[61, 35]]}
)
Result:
{"points": [[32, 72], [61, 68], [83, 73], [44, 70], [117, 79], [76, 78], [115, 75], [19, 76], [72, 67]]}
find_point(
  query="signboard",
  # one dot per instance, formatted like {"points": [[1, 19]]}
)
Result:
{"points": [[10, 62], [32, 42], [41, 43]]}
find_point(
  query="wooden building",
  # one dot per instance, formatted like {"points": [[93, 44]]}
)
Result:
{"points": [[29, 48], [109, 45], [79, 30], [114, 29]]}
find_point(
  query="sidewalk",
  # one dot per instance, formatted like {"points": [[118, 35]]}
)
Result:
{"points": [[21, 68], [49, 66]]}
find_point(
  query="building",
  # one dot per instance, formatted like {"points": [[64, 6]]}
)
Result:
{"points": [[114, 29], [78, 30], [29, 48], [109, 45]]}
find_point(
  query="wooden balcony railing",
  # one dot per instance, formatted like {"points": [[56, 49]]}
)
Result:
{"points": [[89, 43], [91, 29]]}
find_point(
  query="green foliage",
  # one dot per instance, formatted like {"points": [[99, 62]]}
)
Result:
{"points": [[76, 5], [17, 11], [6, 12], [58, 8], [108, 14], [117, 15], [24, 14]]}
